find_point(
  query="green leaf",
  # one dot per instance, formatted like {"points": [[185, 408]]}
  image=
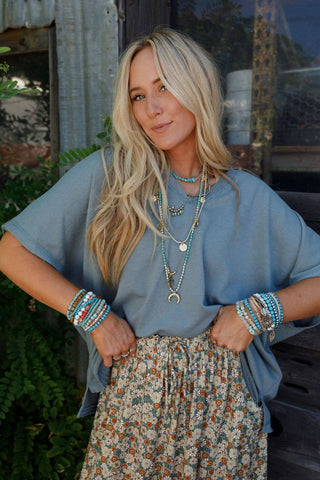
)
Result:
{"points": [[12, 84], [102, 135], [54, 451], [5, 83], [4, 49]]}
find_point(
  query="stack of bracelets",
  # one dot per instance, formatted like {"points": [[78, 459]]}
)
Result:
{"points": [[261, 312], [88, 311]]}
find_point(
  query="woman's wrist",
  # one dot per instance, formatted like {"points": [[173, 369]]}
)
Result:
{"points": [[87, 310], [261, 312]]}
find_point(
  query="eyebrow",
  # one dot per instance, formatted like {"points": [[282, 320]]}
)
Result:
{"points": [[140, 88]]}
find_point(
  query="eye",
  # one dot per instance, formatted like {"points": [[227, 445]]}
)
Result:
{"points": [[137, 98], [163, 88]]}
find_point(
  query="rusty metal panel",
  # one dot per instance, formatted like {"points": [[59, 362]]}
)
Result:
{"points": [[26, 13]]}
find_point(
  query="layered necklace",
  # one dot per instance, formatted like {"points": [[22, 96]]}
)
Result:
{"points": [[174, 212], [183, 245]]}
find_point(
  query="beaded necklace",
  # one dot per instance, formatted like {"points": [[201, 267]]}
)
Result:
{"points": [[186, 179], [184, 245], [175, 212]]}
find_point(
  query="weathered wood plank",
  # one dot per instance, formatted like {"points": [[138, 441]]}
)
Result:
{"points": [[294, 447], [300, 385], [296, 149], [296, 437], [142, 16], [308, 339], [283, 469], [307, 204], [24, 40], [295, 161]]}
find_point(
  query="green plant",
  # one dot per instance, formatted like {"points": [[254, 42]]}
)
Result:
{"points": [[75, 155], [9, 88], [41, 438], [40, 435]]}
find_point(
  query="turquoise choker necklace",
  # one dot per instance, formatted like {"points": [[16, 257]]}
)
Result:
{"points": [[186, 179]]}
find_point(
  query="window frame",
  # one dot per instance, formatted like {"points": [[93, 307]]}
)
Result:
{"points": [[24, 40]]}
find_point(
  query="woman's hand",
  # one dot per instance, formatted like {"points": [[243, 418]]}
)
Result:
{"points": [[113, 337], [229, 331]]}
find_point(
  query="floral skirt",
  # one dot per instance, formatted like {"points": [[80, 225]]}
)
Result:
{"points": [[178, 408]]}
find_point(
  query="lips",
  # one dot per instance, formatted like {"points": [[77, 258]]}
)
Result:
{"points": [[161, 127]]}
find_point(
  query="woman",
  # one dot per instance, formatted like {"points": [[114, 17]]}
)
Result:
{"points": [[177, 245]]}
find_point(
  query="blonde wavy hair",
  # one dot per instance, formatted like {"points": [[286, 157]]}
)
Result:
{"points": [[138, 168]]}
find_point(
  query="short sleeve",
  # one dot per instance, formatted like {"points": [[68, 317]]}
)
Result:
{"points": [[296, 247], [54, 226]]}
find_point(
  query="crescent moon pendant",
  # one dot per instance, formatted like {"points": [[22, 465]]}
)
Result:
{"points": [[175, 295]]}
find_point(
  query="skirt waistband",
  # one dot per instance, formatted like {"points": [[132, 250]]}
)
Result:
{"points": [[192, 345]]}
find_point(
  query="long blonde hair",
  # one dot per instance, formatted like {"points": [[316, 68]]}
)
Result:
{"points": [[138, 167]]}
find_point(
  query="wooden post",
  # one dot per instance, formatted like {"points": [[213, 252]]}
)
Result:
{"points": [[142, 16], [263, 78], [54, 108]]}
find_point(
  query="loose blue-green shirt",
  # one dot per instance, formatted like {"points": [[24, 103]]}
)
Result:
{"points": [[261, 245]]}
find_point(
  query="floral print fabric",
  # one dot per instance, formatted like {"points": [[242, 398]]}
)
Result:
{"points": [[177, 408]]}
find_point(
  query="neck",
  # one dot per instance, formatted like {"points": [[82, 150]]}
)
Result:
{"points": [[186, 167]]}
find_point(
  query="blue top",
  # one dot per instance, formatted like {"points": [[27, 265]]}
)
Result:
{"points": [[263, 246]]}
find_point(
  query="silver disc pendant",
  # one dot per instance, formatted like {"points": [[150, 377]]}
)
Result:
{"points": [[183, 246]]}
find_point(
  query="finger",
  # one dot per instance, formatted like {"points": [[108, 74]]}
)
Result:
{"points": [[133, 345], [116, 358], [213, 334], [107, 361], [124, 355]]}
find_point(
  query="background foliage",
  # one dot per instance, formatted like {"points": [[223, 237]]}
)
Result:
{"points": [[41, 438]]}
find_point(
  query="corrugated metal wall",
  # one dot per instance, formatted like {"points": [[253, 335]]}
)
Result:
{"points": [[22, 13], [87, 49]]}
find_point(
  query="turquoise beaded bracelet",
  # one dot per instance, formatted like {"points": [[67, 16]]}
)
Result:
{"points": [[87, 311]]}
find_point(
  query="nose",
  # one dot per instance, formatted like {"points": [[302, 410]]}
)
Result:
{"points": [[153, 106]]}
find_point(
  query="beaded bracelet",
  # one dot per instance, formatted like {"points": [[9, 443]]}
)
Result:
{"points": [[271, 307], [87, 311], [261, 312], [264, 317], [100, 320], [252, 315], [75, 302], [245, 317]]}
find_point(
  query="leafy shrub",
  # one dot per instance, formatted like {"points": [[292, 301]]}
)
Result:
{"points": [[41, 438]]}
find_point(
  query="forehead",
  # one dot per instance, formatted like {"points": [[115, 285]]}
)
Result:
{"points": [[142, 67]]}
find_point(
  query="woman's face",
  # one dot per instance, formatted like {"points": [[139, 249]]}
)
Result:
{"points": [[167, 123]]}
